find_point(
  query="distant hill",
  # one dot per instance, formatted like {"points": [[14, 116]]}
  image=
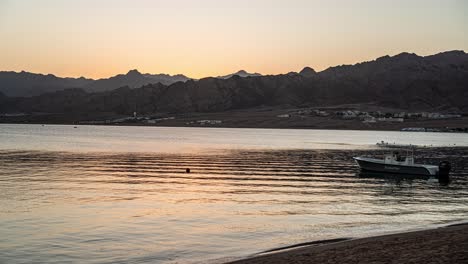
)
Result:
{"points": [[240, 73], [132, 79], [167, 79], [16, 84], [25, 84], [406, 81], [308, 72]]}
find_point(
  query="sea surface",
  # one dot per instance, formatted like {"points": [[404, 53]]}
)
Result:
{"points": [[102, 194]]}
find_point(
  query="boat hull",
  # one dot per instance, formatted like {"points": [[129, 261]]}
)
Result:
{"points": [[391, 168]]}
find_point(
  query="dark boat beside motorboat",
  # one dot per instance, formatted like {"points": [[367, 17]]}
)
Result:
{"points": [[394, 163]]}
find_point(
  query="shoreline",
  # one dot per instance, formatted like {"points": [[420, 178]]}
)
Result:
{"points": [[225, 127], [443, 244], [279, 117]]}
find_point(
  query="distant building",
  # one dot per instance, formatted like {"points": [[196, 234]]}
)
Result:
{"points": [[209, 122], [321, 113], [304, 112], [349, 115], [399, 115], [369, 119], [156, 120], [390, 119], [414, 129]]}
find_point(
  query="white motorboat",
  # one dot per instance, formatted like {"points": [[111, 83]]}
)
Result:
{"points": [[394, 163]]}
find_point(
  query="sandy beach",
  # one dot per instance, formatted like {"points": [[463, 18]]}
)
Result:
{"points": [[440, 245]]}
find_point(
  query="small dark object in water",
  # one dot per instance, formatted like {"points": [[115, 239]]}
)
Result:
{"points": [[444, 170], [75, 127], [187, 170]]}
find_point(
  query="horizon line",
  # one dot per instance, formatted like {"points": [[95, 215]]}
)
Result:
{"points": [[250, 72]]}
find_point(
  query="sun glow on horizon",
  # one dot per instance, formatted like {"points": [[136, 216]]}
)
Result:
{"points": [[99, 39]]}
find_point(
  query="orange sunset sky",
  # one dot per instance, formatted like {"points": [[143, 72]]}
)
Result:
{"points": [[101, 38]]}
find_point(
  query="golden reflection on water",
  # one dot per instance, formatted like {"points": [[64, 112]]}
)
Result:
{"points": [[107, 207]]}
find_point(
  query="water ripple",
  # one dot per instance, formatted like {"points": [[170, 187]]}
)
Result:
{"points": [[144, 207]]}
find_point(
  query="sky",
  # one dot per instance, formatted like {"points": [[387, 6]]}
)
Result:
{"points": [[200, 38]]}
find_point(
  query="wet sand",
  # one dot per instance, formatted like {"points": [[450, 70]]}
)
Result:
{"points": [[441, 245]]}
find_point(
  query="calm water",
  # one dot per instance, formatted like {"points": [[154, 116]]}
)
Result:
{"points": [[196, 140], [121, 195]]}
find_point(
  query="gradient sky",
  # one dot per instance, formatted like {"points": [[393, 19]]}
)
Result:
{"points": [[199, 38]]}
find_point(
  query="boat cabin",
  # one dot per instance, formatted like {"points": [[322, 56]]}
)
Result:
{"points": [[397, 159]]}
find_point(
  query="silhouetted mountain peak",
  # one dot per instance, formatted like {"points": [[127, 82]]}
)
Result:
{"points": [[241, 73], [405, 56], [133, 72], [181, 76], [307, 72], [386, 57], [452, 52], [449, 55]]}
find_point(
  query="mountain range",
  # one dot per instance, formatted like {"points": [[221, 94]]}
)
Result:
{"points": [[26, 84], [16, 84], [133, 79], [406, 81], [241, 73]]}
